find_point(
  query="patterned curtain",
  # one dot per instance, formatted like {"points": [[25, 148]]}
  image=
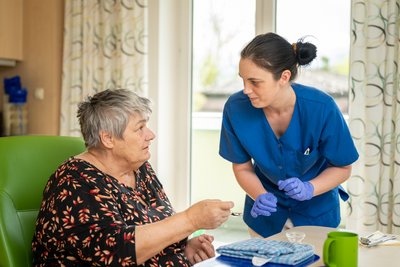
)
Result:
{"points": [[374, 112], [105, 47]]}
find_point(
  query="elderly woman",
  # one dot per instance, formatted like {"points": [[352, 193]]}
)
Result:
{"points": [[106, 206]]}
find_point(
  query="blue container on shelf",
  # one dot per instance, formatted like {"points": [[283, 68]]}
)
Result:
{"points": [[15, 112]]}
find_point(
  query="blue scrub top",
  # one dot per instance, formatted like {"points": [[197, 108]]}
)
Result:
{"points": [[317, 126]]}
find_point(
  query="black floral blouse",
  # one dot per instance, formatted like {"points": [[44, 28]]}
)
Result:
{"points": [[88, 218]]}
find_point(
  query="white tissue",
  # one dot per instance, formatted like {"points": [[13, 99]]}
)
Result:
{"points": [[258, 261]]}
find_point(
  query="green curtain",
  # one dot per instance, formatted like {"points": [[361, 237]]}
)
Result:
{"points": [[374, 116], [105, 47]]}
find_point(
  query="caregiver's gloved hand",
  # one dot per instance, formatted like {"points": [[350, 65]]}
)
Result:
{"points": [[297, 189], [264, 205]]}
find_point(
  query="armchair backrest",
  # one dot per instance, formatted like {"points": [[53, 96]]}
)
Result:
{"points": [[26, 163]]}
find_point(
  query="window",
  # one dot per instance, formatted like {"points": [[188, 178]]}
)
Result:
{"points": [[218, 38]]}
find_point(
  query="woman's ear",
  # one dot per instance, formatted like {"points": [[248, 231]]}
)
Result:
{"points": [[106, 139], [285, 76]]}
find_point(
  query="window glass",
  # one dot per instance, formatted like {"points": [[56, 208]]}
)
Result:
{"points": [[327, 25], [220, 30]]}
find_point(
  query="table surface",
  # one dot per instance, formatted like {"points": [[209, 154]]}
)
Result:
{"points": [[387, 256]]}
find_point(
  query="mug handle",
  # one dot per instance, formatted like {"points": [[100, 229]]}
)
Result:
{"points": [[328, 242]]}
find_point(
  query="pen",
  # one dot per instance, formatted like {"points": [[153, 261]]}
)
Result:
{"points": [[236, 213]]}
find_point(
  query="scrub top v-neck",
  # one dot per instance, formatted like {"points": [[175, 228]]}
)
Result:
{"points": [[317, 136]]}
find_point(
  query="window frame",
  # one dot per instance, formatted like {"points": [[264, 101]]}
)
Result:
{"points": [[170, 81]]}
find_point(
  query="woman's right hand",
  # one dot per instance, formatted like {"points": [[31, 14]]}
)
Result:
{"points": [[209, 214], [264, 205]]}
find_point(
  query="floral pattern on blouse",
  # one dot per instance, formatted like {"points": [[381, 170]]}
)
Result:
{"points": [[88, 218]]}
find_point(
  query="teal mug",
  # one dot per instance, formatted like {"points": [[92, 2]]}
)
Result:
{"points": [[341, 249]]}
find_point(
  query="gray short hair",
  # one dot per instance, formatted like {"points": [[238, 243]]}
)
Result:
{"points": [[109, 111]]}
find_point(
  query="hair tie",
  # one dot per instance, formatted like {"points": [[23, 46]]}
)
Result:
{"points": [[294, 46]]}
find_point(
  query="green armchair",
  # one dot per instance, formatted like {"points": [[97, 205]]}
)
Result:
{"points": [[26, 163]]}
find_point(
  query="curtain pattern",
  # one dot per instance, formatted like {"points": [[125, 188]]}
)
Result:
{"points": [[105, 47], [374, 112]]}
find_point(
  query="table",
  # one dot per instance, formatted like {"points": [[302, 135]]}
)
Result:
{"points": [[387, 256]]}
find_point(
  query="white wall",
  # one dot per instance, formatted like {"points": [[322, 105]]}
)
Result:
{"points": [[169, 90]]}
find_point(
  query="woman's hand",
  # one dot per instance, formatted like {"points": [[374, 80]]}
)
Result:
{"points": [[297, 189], [264, 205], [199, 248], [209, 214]]}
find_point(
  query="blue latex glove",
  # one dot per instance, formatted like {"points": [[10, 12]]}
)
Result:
{"points": [[264, 205], [297, 189]]}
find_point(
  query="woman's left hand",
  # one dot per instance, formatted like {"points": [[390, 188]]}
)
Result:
{"points": [[199, 248]]}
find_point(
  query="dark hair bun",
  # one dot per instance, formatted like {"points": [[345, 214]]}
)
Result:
{"points": [[305, 52]]}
